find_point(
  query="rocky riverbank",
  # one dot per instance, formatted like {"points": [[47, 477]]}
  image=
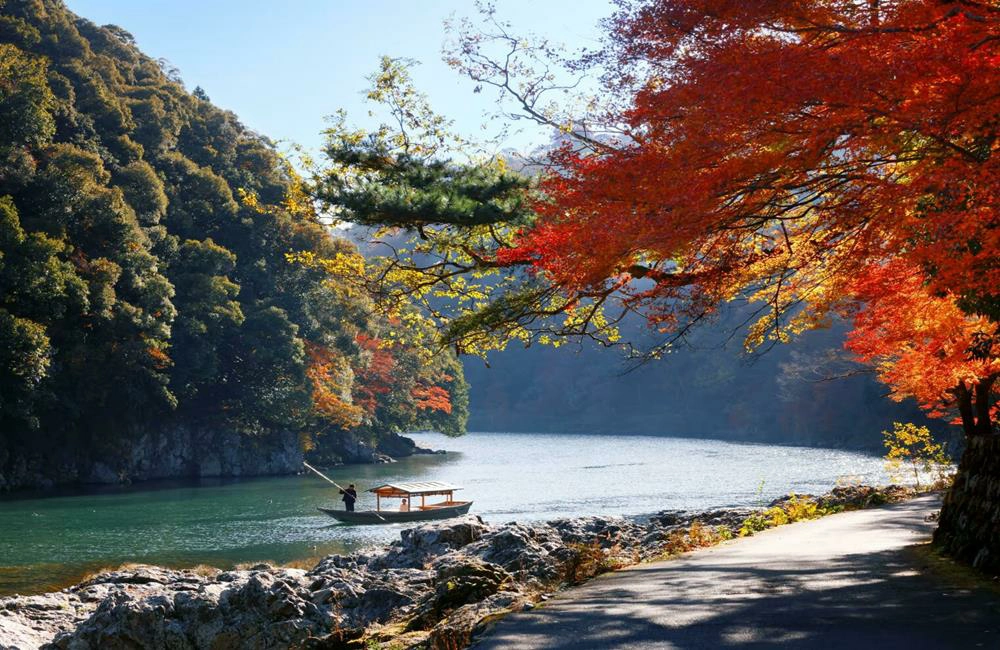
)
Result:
{"points": [[436, 587], [185, 452]]}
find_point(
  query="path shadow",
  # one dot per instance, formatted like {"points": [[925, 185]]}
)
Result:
{"points": [[865, 600]]}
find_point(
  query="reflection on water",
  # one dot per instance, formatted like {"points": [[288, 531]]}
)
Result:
{"points": [[48, 541]]}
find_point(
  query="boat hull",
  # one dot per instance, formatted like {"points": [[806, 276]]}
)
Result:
{"points": [[395, 516]]}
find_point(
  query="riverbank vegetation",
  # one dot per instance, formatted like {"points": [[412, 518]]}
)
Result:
{"points": [[145, 285], [912, 455]]}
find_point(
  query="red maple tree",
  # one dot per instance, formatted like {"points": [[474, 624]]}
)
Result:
{"points": [[782, 150]]}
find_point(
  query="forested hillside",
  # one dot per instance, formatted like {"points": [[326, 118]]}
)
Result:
{"points": [[145, 284], [791, 394]]}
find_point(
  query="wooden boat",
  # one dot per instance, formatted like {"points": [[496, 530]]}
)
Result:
{"points": [[408, 511]]}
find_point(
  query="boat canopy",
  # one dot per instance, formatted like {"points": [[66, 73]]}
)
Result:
{"points": [[424, 488]]}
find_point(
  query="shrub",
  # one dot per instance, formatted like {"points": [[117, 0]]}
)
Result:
{"points": [[799, 508], [755, 523], [794, 509], [697, 535], [589, 560], [911, 450], [776, 516]]}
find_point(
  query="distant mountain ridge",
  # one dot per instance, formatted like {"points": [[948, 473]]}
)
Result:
{"points": [[708, 391]]}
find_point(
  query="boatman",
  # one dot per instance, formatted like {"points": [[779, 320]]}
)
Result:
{"points": [[350, 496]]}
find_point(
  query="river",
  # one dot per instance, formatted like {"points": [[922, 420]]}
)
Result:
{"points": [[51, 540]]}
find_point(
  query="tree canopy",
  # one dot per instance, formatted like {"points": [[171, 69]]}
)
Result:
{"points": [[144, 244], [815, 160]]}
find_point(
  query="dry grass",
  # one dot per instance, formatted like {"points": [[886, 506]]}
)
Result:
{"points": [[390, 637], [305, 563], [591, 559], [929, 560], [696, 536], [127, 566], [204, 570]]}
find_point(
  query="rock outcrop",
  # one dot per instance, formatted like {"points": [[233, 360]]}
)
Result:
{"points": [[174, 452], [186, 452], [439, 580]]}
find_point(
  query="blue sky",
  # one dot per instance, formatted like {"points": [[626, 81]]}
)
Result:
{"points": [[283, 66]]}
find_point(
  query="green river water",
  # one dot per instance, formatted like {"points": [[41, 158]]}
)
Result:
{"points": [[48, 541]]}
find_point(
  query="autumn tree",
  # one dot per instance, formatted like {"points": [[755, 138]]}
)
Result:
{"points": [[812, 159], [439, 209]]}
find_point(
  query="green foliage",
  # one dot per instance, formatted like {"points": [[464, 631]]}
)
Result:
{"points": [[912, 452], [755, 523], [143, 190], [441, 212], [26, 102], [793, 509], [24, 362], [143, 243]]}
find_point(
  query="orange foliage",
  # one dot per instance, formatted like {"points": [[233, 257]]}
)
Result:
{"points": [[433, 398], [326, 371], [808, 154], [160, 358], [376, 377], [920, 343], [380, 374]]}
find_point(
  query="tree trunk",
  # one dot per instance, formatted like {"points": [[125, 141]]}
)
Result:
{"points": [[984, 389], [969, 527]]}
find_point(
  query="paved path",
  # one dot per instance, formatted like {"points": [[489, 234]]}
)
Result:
{"points": [[844, 581]]}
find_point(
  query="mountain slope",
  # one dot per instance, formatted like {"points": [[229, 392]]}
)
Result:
{"points": [[145, 283]]}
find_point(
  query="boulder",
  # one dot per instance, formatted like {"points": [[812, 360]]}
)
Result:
{"points": [[860, 496], [460, 580], [532, 553], [607, 531], [386, 595], [396, 446], [732, 518], [417, 546], [463, 625], [257, 609]]}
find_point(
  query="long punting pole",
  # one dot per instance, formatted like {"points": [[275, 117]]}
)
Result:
{"points": [[323, 476], [335, 484]]}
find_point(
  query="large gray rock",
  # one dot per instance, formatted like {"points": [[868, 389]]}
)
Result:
{"points": [[152, 608], [606, 531], [417, 546], [398, 446], [533, 553], [460, 580], [469, 621]]}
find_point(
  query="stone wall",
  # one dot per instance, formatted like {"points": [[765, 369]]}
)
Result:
{"points": [[969, 528]]}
